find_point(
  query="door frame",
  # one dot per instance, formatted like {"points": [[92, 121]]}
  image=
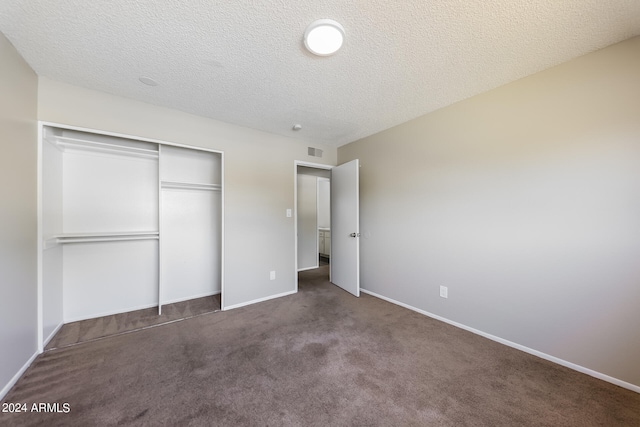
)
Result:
{"points": [[297, 163]]}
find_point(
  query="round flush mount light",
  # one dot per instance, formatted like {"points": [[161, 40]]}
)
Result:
{"points": [[324, 37]]}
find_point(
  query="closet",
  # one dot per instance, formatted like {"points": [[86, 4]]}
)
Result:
{"points": [[126, 224]]}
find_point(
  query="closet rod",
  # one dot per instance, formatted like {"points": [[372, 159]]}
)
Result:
{"points": [[66, 142]]}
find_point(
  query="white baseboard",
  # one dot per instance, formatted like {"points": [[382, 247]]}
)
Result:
{"points": [[517, 346], [109, 313], [206, 294], [140, 307], [242, 304], [308, 268], [17, 376], [51, 335]]}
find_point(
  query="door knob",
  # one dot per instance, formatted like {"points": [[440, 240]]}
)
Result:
{"points": [[354, 234]]}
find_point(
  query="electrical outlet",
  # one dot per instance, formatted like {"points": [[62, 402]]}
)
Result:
{"points": [[444, 292], [272, 275]]}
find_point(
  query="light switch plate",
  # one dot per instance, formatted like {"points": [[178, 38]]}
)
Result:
{"points": [[444, 292], [288, 213], [272, 275]]}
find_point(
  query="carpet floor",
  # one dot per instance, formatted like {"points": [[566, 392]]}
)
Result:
{"points": [[100, 327], [320, 357]]}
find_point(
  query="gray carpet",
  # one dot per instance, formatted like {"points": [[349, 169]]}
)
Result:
{"points": [[317, 358], [91, 329]]}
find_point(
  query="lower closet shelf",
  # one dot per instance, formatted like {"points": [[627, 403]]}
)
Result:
{"points": [[190, 186]]}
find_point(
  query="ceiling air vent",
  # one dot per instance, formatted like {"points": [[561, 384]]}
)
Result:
{"points": [[315, 152]]}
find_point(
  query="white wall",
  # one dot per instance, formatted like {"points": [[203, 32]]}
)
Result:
{"points": [[525, 202], [307, 221], [324, 203], [259, 186], [18, 215]]}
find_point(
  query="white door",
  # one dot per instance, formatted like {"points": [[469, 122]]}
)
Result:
{"points": [[345, 227]]}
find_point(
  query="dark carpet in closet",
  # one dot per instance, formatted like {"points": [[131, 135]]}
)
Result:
{"points": [[101, 327]]}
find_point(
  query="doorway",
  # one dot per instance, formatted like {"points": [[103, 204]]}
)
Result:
{"points": [[313, 217], [344, 228]]}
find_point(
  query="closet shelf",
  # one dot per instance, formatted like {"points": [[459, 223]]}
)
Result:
{"points": [[190, 186], [63, 143], [100, 237]]}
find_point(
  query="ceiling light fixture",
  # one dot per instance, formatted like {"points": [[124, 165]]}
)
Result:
{"points": [[324, 37]]}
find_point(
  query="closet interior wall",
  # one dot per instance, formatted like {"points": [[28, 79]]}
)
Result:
{"points": [[189, 226], [126, 224]]}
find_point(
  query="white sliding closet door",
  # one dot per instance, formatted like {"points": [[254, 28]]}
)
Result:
{"points": [[109, 198], [190, 212], [109, 192], [104, 278]]}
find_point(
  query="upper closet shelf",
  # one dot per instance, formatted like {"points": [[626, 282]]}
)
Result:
{"points": [[64, 143], [99, 237], [190, 186]]}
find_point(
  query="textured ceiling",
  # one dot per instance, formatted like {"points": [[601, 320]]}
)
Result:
{"points": [[244, 62]]}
